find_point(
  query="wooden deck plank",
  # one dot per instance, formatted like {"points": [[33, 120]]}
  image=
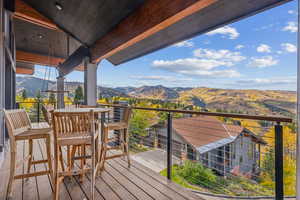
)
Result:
{"points": [[106, 190], [116, 190], [44, 182], [149, 189], [30, 188], [175, 187], [4, 174], [74, 189], [113, 189], [156, 184], [17, 188], [86, 187], [131, 187], [117, 182], [72, 186], [117, 187], [63, 191]]}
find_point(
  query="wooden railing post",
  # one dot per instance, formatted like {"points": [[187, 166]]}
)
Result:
{"points": [[169, 147], [279, 161]]}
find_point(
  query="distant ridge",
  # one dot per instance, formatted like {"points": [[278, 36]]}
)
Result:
{"points": [[264, 102]]}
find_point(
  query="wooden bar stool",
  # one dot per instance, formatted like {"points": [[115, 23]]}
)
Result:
{"points": [[47, 117], [122, 140], [19, 129], [74, 128]]}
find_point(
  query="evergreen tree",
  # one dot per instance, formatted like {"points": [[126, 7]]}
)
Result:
{"points": [[78, 95], [38, 95], [52, 98], [24, 94]]}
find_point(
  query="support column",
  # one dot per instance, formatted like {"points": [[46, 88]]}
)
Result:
{"points": [[90, 84], [60, 87]]}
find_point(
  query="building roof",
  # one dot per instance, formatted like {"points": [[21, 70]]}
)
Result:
{"points": [[206, 133]]}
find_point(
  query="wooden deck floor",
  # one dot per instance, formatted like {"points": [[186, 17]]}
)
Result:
{"points": [[117, 182]]}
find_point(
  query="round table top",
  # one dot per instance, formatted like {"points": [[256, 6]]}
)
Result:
{"points": [[83, 110]]}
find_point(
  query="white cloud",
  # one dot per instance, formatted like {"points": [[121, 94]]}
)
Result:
{"points": [[160, 78], [189, 64], [279, 52], [292, 12], [288, 47], [263, 48], [240, 46], [265, 27], [263, 82], [205, 63], [185, 43], [231, 32], [291, 27], [265, 61], [213, 73], [224, 55], [195, 67]]}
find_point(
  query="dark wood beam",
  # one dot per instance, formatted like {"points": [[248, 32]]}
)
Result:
{"points": [[27, 71], [148, 19], [74, 60], [25, 12], [37, 59]]}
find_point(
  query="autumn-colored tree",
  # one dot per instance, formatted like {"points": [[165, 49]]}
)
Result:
{"points": [[140, 121], [289, 162]]}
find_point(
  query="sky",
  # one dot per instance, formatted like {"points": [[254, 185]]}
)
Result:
{"points": [[259, 52]]}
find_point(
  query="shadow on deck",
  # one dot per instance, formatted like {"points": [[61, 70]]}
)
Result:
{"points": [[117, 182]]}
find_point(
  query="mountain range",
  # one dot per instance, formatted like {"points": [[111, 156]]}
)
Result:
{"points": [[268, 102]]}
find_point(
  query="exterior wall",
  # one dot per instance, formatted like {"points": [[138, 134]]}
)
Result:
{"points": [[245, 154], [214, 160], [242, 153]]}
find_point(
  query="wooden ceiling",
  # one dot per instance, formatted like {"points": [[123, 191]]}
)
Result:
{"points": [[25, 12], [118, 30], [38, 40], [86, 20]]}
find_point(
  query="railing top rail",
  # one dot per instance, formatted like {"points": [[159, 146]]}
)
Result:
{"points": [[216, 114]]}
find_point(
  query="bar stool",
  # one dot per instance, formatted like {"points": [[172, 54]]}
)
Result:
{"points": [[19, 129], [74, 128], [123, 140]]}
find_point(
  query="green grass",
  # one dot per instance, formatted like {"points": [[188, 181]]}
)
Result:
{"points": [[138, 148]]}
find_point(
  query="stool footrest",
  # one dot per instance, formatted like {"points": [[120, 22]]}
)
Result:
{"points": [[114, 156], [40, 173]]}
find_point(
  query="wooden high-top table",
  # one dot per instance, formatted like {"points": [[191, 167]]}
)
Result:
{"points": [[100, 111]]}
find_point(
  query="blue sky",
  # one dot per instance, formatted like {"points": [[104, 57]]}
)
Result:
{"points": [[256, 53]]}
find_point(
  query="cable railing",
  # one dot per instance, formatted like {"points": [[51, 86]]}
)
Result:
{"points": [[259, 167]]}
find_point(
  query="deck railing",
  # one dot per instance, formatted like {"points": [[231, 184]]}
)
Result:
{"points": [[163, 138], [275, 121]]}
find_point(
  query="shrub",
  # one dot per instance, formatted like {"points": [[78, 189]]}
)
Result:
{"points": [[197, 174]]}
